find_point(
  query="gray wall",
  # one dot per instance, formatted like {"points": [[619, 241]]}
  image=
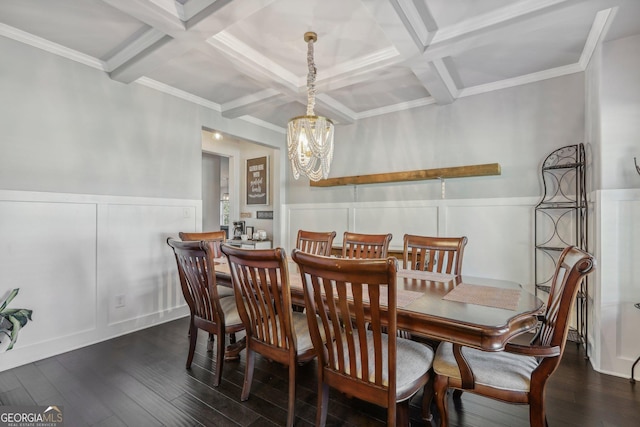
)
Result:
{"points": [[620, 113], [516, 127], [69, 128], [592, 122]]}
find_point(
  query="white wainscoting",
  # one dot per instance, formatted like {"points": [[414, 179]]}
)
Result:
{"points": [[615, 320], [500, 231], [73, 256], [501, 241]]}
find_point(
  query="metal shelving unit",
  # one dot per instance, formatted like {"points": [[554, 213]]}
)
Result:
{"points": [[560, 221]]}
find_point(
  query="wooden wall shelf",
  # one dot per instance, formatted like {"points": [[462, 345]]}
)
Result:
{"points": [[417, 175]]}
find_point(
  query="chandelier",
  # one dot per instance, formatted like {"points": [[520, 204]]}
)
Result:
{"points": [[310, 137]]}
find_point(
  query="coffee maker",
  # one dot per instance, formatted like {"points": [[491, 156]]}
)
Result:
{"points": [[238, 229]]}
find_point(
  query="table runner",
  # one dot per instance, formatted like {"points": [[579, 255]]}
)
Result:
{"points": [[485, 295]]}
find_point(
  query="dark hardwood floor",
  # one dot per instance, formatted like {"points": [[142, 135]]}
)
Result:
{"points": [[140, 380]]}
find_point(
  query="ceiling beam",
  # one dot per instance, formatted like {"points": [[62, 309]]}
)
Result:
{"points": [[436, 78], [393, 21], [181, 35], [334, 110]]}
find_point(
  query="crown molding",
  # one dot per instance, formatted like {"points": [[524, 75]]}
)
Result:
{"points": [[170, 90], [521, 80], [48, 46], [262, 123]]}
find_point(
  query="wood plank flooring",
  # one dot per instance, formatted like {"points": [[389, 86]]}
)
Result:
{"points": [[140, 380]]}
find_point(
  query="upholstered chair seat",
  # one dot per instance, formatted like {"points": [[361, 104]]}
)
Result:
{"points": [[500, 370], [413, 360]]}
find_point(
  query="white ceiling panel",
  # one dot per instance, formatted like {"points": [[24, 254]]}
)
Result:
{"points": [[452, 12], [395, 85], [214, 79], [551, 45], [346, 31], [90, 27], [247, 58]]}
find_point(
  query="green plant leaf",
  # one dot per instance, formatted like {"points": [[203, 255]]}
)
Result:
{"points": [[11, 296], [14, 331], [22, 315]]}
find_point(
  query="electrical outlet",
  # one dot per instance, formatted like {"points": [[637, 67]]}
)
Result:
{"points": [[120, 301]]}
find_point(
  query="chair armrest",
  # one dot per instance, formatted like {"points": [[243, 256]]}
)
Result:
{"points": [[536, 351]]}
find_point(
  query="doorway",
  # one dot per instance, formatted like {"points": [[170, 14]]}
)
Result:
{"points": [[215, 192]]}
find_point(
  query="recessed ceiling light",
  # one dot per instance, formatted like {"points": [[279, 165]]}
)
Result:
{"points": [[217, 135]]}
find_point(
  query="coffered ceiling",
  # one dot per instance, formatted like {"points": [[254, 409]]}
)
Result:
{"points": [[247, 58]]}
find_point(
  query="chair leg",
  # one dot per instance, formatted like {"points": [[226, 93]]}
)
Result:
{"points": [[193, 337], [427, 397], [292, 393], [457, 393], [401, 416], [219, 358], [323, 404], [248, 374], [537, 415], [440, 386]]}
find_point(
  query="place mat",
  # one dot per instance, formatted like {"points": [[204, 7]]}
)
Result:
{"points": [[425, 275], [485, 295]]}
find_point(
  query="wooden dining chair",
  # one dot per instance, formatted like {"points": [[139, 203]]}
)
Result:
{"points": [[435, 254], [355, 302], [314, 242], [356, 245], [261, 281], [519, 374], [215, 315], [217, 237]]}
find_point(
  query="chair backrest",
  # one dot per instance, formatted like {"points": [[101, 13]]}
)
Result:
{"points": [[261, 281], [355, 245], [435, 254], [198, 279], [314, 242], [354, 299], [218, 237], [573, 265]]}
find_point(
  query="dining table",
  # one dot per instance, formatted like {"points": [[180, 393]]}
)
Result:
{"points": [[477, 312]]}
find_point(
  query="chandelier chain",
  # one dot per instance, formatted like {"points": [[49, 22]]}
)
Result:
{"points": [[311, 80]]}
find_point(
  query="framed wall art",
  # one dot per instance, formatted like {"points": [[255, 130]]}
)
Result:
{"points": [[258, 181]]}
